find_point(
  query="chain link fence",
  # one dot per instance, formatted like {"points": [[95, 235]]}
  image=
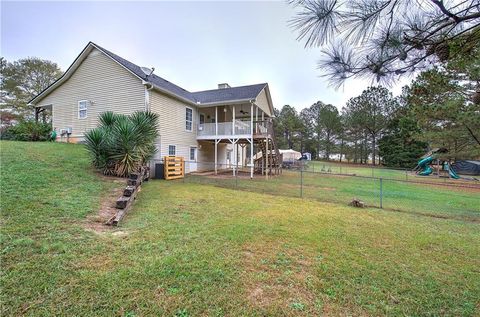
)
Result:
{"points": [[390, 189]]}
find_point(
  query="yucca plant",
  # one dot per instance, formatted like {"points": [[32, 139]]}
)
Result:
{"points": [[122, 144]]}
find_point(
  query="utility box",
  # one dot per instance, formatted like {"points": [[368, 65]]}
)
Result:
{"points": [[159, 170]]}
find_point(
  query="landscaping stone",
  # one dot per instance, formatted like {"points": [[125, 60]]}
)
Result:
{"points": [[122, 202], [128, 191], [357, 203], [133, 182], [134, 176]]}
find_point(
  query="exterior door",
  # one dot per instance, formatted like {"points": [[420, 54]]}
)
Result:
{"points": [[229, 158], [193, 159]]}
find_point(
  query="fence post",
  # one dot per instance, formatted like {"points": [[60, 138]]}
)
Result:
{"points": [[406, 174], [236, 180], [381, 192], [301, 182]]}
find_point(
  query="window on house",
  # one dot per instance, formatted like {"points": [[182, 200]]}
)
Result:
{"points": [[172, 149], [193, 154], [82, 109], [188, 119], [202, 118]]}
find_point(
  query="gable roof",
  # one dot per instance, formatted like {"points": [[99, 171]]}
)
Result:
{"points": [[206, 97], [228, 94]]}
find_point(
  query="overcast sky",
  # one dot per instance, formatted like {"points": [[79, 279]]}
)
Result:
{"points": [[195, 45]]}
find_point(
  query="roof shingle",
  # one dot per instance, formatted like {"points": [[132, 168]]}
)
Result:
{"points": [[229, 94]]}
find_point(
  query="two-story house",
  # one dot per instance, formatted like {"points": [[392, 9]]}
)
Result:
{"points": [[211, 129]]}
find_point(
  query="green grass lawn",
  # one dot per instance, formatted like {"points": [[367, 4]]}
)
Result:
{"points": [[191, 249], [435, 199], [343, 168], [379, 171]]}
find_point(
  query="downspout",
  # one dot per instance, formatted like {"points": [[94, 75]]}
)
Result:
{"points": [[147, 108], [147, 95]]}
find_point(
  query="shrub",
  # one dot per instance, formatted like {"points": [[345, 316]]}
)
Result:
{"points": [[27, 131], [122, 144]]}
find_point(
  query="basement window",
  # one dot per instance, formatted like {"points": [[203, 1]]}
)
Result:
{"points": [[82, 109], [188, 119], [172, 149]]}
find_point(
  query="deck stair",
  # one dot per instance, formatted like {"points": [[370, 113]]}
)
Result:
{"points": [[267, 162]]}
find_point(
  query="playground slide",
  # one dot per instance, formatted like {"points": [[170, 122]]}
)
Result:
{"points": [[424, 165], [425, 169], [450, 170]]}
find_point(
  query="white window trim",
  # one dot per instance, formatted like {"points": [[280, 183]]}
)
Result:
{"points": [[175, 150], [191, 130], [86, 109]]}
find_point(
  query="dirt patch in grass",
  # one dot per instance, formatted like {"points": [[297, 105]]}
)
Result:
{"points": [[98, 263], [279, 277], [168, 298], [96, 222]]}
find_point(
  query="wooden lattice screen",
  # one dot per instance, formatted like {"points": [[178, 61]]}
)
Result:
{"points": [[174, 167]]}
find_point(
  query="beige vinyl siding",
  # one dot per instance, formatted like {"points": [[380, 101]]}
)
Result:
{"points": [[98, 79], [262, 103], [172, 127]]}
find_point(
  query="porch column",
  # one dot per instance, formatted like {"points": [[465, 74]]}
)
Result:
{"points": [[234, 158], [256, 119], [235, 150], [233, 120], [216, 145], [216, 120], [216, 134], [266, 158], [251, 141]]}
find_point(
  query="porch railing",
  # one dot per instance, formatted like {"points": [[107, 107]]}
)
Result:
{"points": [[241, 128], [261, 127], [225, 128]]}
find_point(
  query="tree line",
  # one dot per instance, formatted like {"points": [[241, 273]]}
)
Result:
{"points": [[440, 108], [436, 41], [354, 134]]}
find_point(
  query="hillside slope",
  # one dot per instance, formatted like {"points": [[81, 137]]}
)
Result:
{"points": [[193, 249]]}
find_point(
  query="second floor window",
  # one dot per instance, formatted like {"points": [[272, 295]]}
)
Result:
{"points": [[188, 119], [82, 109]]}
